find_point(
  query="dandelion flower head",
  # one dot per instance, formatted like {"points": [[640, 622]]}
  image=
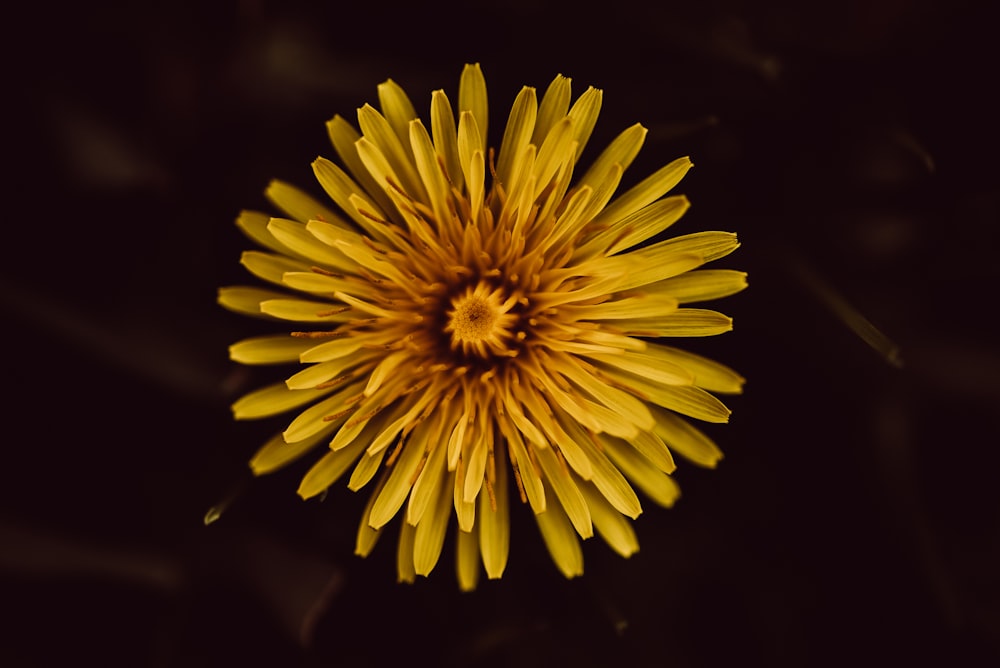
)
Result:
{"points": [[477, 326]]}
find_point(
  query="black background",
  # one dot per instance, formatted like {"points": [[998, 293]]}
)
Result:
{"points": [[854, 521]]}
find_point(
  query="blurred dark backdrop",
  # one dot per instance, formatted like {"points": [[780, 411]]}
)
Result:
{"points": [[854, 521]]}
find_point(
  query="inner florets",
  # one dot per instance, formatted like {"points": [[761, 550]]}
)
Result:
{"points": [[481, 323]]}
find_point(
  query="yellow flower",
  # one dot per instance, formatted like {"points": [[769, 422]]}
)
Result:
{"points": [[473, 324]]}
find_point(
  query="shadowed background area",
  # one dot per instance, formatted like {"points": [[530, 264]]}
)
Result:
{"points": [[855, 518]]}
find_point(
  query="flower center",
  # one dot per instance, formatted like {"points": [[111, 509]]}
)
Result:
{"points": [[480, 322], [472, 320]]}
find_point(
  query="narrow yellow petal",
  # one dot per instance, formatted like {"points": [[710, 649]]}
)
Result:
{"points": [[606, 477], [367, 536], [611, 525], [272, 400], [561, 541], [254, 225], [368, 466], [465, 511], [701, 285], [655, 368], [685, 399], [432, 480], [246, 300], [641, 305], [644, 224], [467, 560], [566, 490], [623, 403], [584, 114], [316, 418], [653, 482], [494, 522], [684, 322], [375, 129], [472, 97], [297, 237], [271, 266], [646, 191], [328, 469], [429, 168], [270, 349], [555, 104], [445, 136], [344, 137], [400, 481], [517, 133], [430, 532], [621, 151], [706, 373], [276, 453], [405, 571], [396, 107], [471, 158], [302, 310], [631, 270], [553, 155], [709, 245], [688, 441], [296, 203], [530, 478], [343, 190]]}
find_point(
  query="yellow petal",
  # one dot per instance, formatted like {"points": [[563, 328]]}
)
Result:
{"points": [[445, 136], [254, 225], [377, 131], [611, 525], [621, 151], [653, 482], [247, 300], [344, 137], [688, 441], [317, 417], [566, 490], [561, 540], [276, 349], [301, 310], [472, 98], [297, 237], [276, 453], [707, 374], [685, 399], [607, 478], [367, 536], [701, 285], [405, 571], [584, 114], [631, 270], [685, 322], [467, 560], [494, 523], [342, 188], [328, 469], [400, 481], [646, 191], [710, 245], [296, 203], [555, 104], [430, 532], [270, 266], [517, 133], [272, 400], [396, 107]]}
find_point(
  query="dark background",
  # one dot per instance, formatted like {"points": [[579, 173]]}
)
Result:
{"points": [[854, 521]]}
